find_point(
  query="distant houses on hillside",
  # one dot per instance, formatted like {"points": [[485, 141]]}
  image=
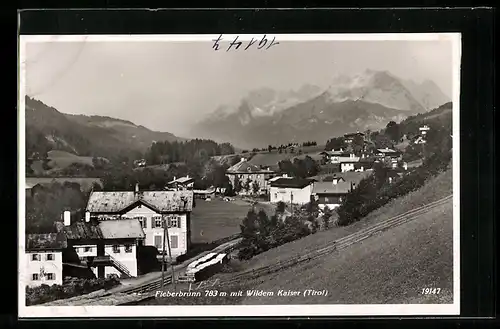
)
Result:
{"points": [[244, 171]]}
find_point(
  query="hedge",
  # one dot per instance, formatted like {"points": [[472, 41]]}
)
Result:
{"points": [[71, 288]]}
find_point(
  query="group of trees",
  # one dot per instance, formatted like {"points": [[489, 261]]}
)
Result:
{"points": [[46, 205], [301, 168], [260, 232], [309, 143], [189, 151], [247, 185]]}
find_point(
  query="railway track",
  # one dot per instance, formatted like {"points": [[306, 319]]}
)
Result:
{"points": [[156, 284], [339, 244]]}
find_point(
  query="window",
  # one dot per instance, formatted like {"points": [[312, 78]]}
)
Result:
{"points": [[174, 221], [87, 249], [35, 257], [174, 241], [34, 277], [157, 222], [128, 248], [142, 220], [50, 257], [158, 241], [51, 276], [116, 249]]}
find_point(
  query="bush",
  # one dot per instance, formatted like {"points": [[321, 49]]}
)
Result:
{"points": [[261, 233], [71, 288]]}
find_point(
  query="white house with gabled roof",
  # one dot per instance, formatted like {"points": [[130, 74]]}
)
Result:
{"points": [[151, 209]]}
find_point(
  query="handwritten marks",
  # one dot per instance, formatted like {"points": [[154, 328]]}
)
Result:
{"points": [[235, 44]]}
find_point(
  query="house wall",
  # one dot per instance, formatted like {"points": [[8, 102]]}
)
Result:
{"points": [[344, 167], [175, 233], [260, 178], [300, 196], [331, 200], [49, 266], [129, 260]]}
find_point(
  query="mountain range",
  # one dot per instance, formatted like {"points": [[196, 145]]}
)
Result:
{"points": [[48, 129], [368, 100]]}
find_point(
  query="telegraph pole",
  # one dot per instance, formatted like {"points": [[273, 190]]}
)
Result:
{"points": [[163, 255], [169, 252]]}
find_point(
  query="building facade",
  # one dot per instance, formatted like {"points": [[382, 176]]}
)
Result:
{"points": [[291, 190], [107, 247], [44, 263], [244, 171], [151, 209]]}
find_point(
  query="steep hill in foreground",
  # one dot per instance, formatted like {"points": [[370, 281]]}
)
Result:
{"points": [[389, 267]]}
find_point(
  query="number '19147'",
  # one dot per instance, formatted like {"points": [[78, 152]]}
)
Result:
{"points": [[431, 291]]}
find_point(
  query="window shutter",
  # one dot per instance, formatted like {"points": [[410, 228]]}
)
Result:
{"points": [[153, 224], [179, 221], [169, 221]]}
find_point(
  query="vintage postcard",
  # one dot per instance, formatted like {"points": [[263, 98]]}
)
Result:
{"points": [[239, 175]]}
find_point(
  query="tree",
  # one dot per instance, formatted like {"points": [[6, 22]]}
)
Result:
{"points": [[392, 131], [335, 144], [255, 187], [247, 184], [237, 184]]}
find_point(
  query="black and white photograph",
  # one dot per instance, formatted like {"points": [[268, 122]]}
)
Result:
{"points": [[239, 175]]}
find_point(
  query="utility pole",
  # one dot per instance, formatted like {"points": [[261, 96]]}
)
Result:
{"points": [[169, 251], [163, 255]]}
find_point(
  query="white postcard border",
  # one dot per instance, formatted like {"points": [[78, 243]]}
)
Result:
{"points": [[241, 310]]}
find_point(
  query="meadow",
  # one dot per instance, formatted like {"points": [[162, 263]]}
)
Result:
{"points": [[216, 219]]}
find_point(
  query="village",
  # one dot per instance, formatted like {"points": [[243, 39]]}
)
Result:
{"points": [[142, 233]]}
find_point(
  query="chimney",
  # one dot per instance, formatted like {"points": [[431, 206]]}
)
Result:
{"points": [[87, 216], [285, 175], [242, 159], [405, 166], [335, 181], [362, 168], [136, 187], [67, 218], [187, 176], [175, 178]]}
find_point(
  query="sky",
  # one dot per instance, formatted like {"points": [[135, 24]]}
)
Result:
{"points": [[168, 86]]}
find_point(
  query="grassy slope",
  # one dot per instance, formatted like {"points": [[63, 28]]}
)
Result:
{"points": [[437, 188], [391, 267]]}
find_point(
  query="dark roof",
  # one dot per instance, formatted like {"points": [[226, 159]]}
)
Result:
{"points": [[121, 229], [292, 182], [48, 241], [330, 188], [181, 180], [83, 231], [107, 229], [354, 134], [246, 167], [160, 201]]}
